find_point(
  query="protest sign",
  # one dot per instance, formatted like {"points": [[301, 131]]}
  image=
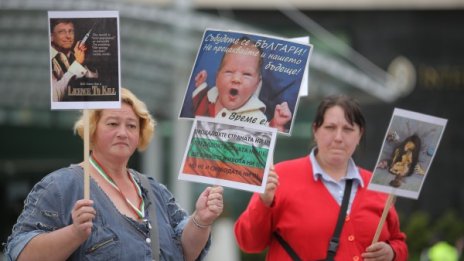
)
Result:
{"points": [[84, 59], [231, 155], [409, 147], [84, 66], [247, 78]]}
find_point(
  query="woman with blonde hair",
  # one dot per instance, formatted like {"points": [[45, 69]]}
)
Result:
{"points": [[129, 216]]}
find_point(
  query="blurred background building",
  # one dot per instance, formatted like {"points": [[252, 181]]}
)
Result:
{"points": [[387, 53]]}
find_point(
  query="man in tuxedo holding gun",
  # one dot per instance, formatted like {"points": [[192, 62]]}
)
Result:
{"points": [[67, 57]]}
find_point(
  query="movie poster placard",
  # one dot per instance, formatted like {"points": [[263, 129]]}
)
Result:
{"points": [[247, 78], [410, 144], [231, 155], [84, 59]]}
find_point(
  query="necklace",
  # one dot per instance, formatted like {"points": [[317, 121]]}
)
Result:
{"points": [[140, 210]]}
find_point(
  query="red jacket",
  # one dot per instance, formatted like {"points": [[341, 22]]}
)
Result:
{"points": [[305, 214]]}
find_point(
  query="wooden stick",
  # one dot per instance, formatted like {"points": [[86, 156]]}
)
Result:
{"points": [[388, 204], [86, 155]]}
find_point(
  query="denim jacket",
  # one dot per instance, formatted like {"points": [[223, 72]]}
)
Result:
{"points": [[114, 236]]}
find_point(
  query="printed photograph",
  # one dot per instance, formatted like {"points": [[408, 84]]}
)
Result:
{"points": [[247, 78], [84, 59], [409, 147]]}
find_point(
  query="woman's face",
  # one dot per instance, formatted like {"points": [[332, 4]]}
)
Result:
{"points": [[117, 133], [336, 138]]}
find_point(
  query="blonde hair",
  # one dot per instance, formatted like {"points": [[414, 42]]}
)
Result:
{"points": [[147, 123]]}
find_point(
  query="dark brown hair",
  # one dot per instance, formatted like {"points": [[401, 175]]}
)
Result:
{"points": [[349, 105], [55, 21]]}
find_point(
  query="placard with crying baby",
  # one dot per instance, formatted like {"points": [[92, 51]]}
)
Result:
{"points": [[246, 78]]}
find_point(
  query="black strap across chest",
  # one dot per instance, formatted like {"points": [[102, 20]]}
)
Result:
{"points": [[334, 241]]}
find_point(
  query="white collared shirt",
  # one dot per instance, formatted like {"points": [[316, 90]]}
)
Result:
{"points": [[337, 188]]}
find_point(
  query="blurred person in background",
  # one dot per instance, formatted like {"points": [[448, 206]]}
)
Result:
{"points": [[441, 250], [127, 213], [296, 216]]}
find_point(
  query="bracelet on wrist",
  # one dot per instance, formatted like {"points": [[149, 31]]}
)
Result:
{"points": [[197, 224]]}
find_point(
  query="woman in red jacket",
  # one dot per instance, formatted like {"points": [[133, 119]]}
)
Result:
{"points": [[303, 198]]}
